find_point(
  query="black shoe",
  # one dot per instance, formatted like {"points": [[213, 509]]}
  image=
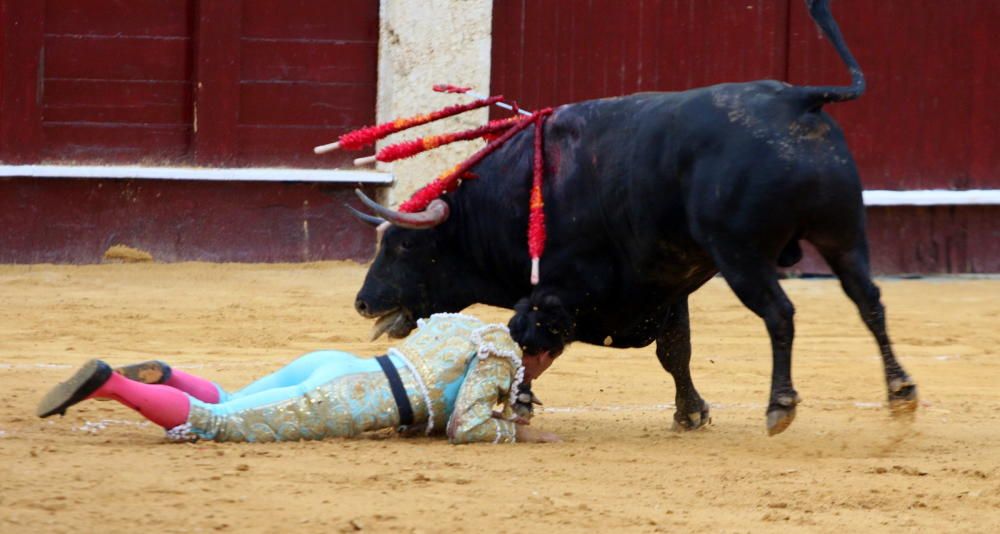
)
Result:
{"points": [[151, 372], [85, 381]]}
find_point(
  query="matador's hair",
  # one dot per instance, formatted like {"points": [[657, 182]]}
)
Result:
{"points": [[541, 323]]}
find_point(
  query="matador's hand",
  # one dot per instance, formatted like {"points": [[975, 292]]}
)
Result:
{"points": [[524, 405]]}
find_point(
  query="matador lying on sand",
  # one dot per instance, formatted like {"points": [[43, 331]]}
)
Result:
{"points": [[449, 374]]}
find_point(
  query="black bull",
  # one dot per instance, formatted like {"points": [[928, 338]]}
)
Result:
{"points": [[647, 197]]}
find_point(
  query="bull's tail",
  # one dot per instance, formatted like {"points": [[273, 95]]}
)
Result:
{"points": [[817, 96]]}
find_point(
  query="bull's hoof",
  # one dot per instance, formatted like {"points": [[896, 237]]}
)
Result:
{"points": [[780, 419], [684, 422], [781, 413], [903, 399]]}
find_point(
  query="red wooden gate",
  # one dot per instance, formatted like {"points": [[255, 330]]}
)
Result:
{"points": [[223, 83], [206, 82]]}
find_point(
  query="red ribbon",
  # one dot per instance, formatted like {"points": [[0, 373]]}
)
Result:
{"points": [[536, 217], [448, 180], [407, 149], [363, 137]]}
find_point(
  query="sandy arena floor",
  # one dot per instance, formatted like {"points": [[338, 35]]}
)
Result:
{"points": [[844, 465]]}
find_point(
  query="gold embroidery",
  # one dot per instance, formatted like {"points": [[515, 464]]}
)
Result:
{"points": [[343, 407], [473, 421], [440, 350]]}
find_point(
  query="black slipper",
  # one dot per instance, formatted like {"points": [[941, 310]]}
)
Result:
{"points": [[85, 381], [151, 372]]}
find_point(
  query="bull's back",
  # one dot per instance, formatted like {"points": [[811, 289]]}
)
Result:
{"points": [[764, 160]]}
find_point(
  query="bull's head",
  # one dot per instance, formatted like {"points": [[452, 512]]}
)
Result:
{"points": [[413, 271]]}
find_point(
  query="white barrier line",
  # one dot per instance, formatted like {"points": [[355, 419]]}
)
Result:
{"points": [[874, 197], [932, 197], [257, 174]]}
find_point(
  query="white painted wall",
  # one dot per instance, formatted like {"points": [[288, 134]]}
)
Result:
{"points": [[422, 43]]}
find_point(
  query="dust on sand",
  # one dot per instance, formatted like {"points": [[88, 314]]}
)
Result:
{"points": [[844, 465]]}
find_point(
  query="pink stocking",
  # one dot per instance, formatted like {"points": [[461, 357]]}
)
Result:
{"points": [[160, 404], [199, 388]]}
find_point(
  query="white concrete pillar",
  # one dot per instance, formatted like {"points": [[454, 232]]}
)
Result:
{"points": [[422, 43]]}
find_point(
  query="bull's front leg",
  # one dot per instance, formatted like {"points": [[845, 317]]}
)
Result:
{"points": [[673, 348]]}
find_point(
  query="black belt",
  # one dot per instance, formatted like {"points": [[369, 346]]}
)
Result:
{"points": [[398, 391]]}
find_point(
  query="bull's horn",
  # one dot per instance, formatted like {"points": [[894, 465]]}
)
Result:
{"points": [[435, 213], [370, 220]]}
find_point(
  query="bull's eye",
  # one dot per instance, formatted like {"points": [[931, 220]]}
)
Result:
{"points": [[405, 245]]}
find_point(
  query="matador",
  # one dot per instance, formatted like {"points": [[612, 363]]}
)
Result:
{"points": [[448, 375]]}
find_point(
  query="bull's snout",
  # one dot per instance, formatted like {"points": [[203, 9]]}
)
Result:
{"points": [[362, 307]]}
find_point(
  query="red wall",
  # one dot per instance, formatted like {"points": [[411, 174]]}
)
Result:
{"points": [[76, 220], [928, 120], [551, 52], [220, 82], [260, 82], [182, 82], [926, 240]]}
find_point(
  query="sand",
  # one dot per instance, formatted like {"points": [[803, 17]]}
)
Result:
{"points": [[844, 465]]}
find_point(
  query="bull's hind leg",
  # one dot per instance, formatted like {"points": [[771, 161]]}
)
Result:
{"points": [[851, 267], [755, 281], [673, 348]]}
